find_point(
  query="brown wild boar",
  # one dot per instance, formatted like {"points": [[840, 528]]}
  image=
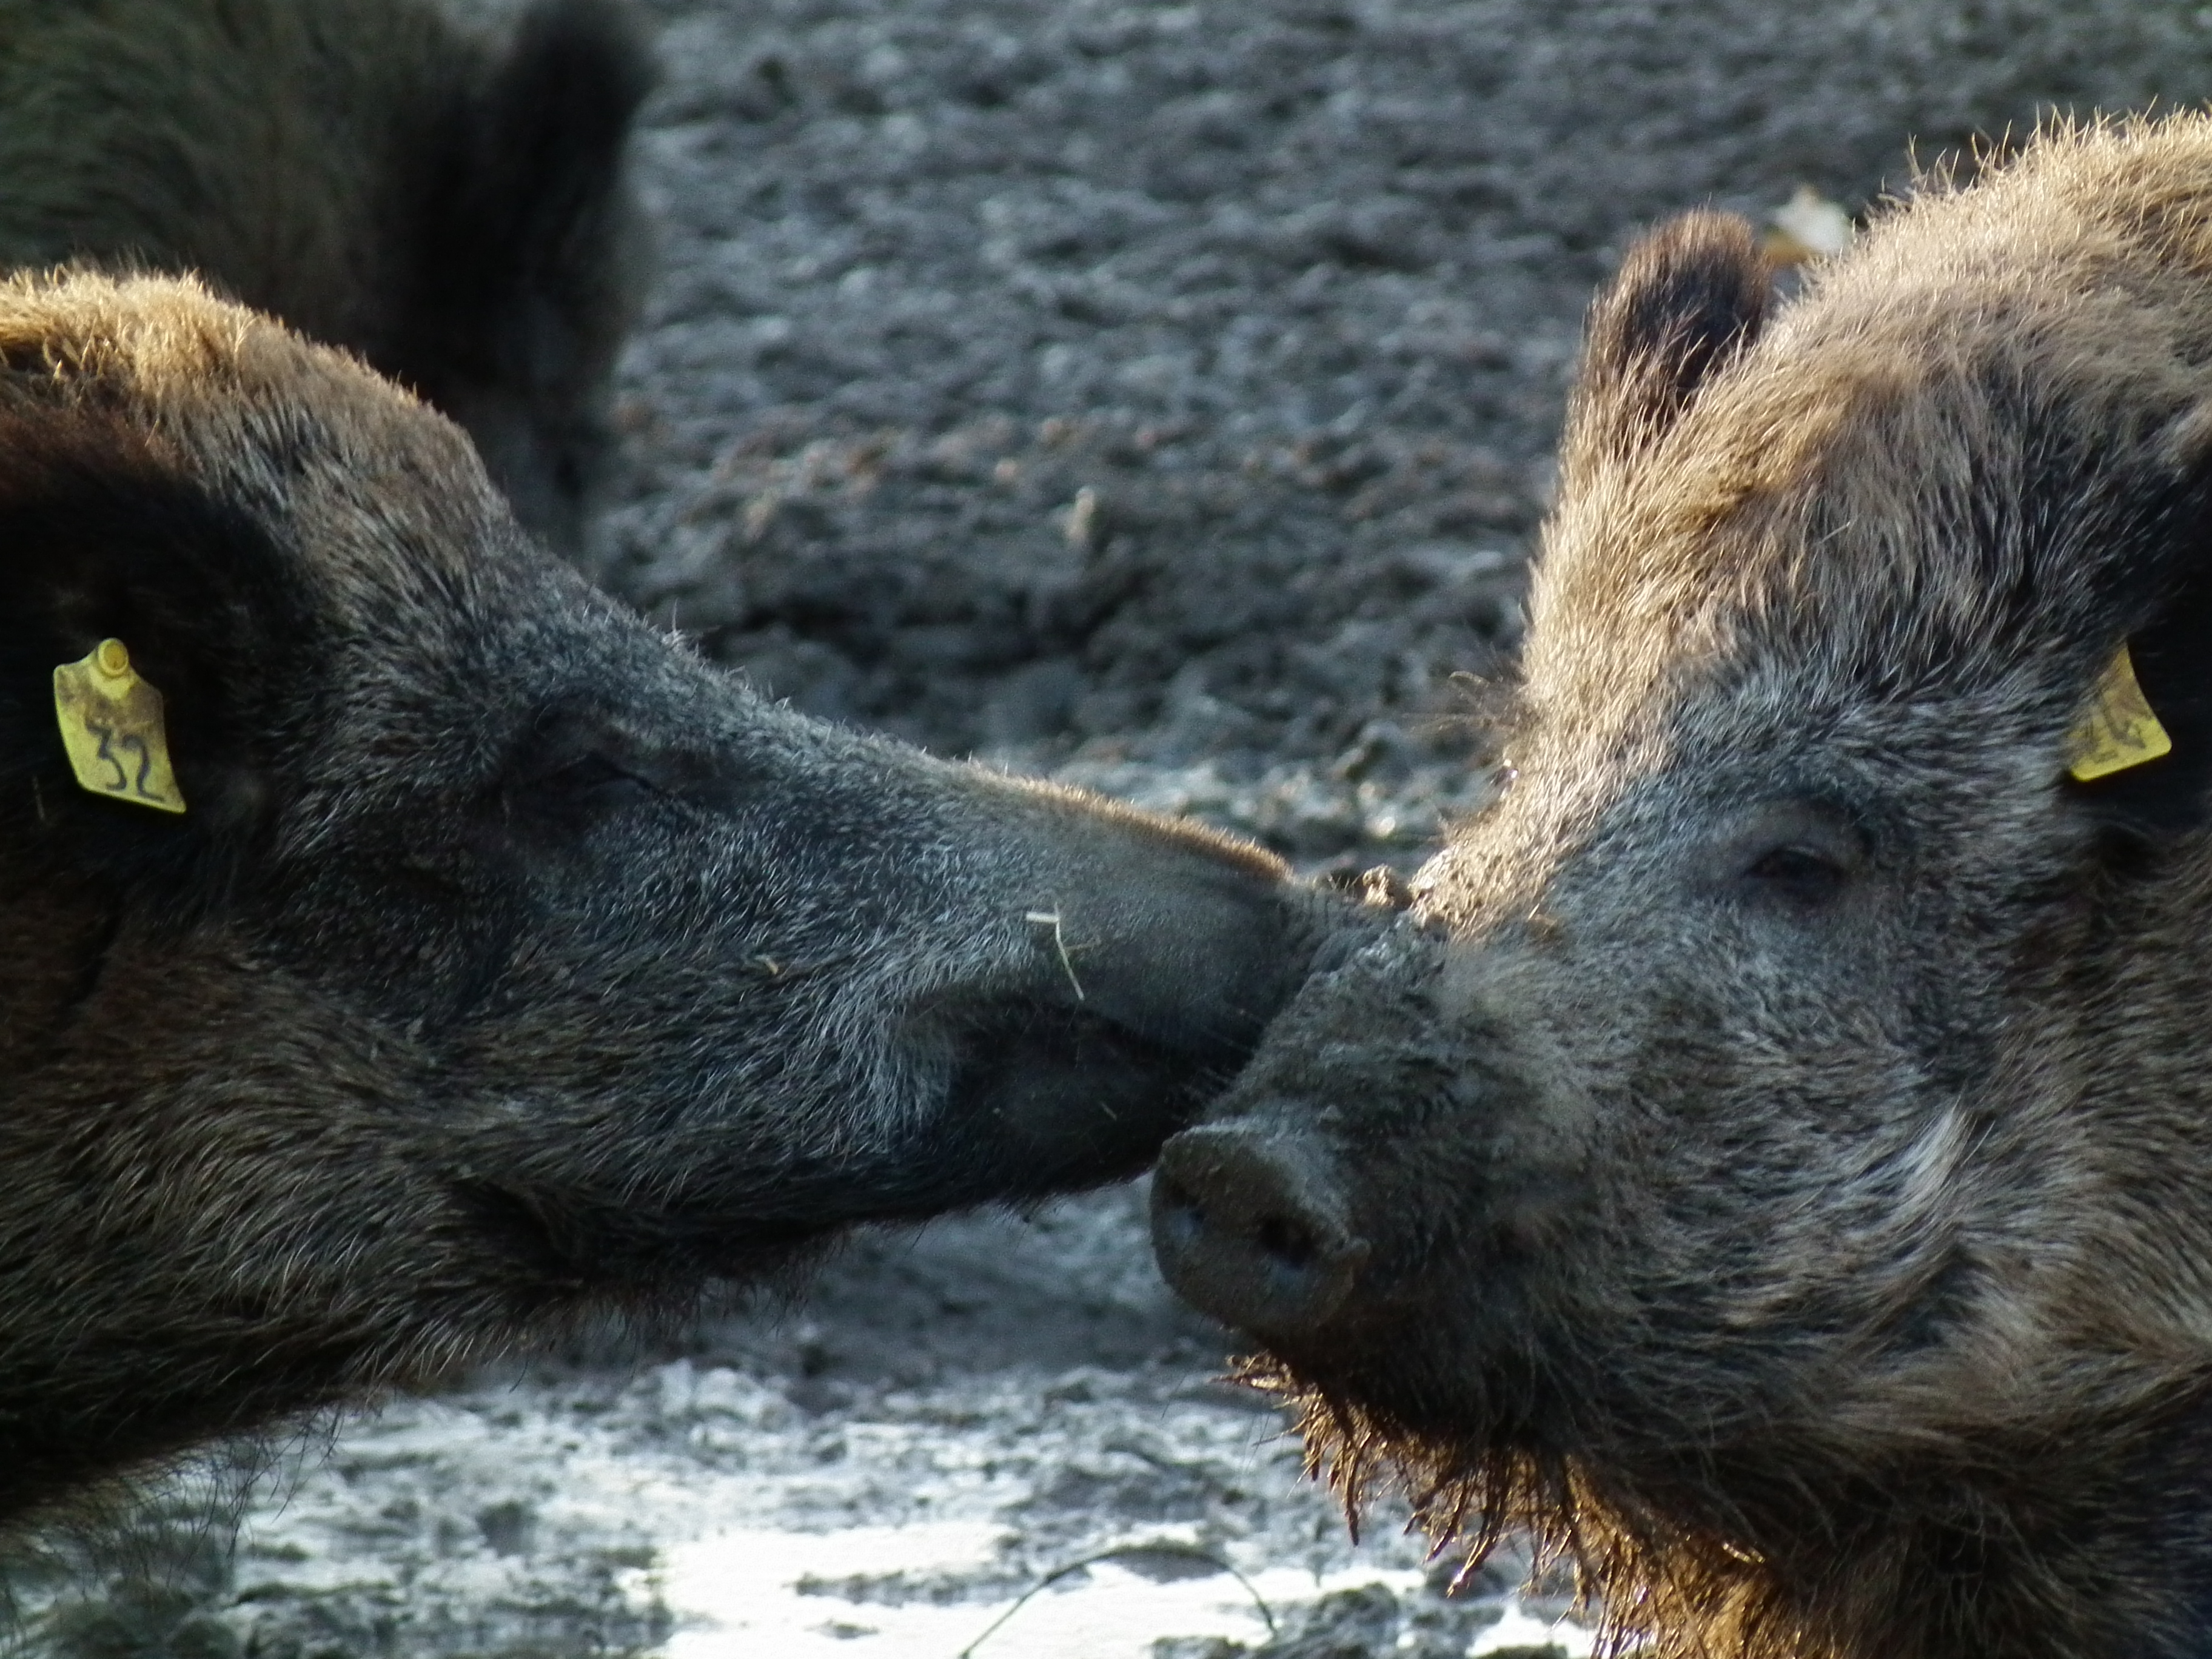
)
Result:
{"points": [[1773, 1158], [506, 962], [442, 191]]}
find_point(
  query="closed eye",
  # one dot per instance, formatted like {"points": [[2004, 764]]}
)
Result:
{"points": [[577, 766], [595, 780], [1803, 876]]}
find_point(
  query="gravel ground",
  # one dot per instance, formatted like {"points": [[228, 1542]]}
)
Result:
{"points": [[1160, 396], [1163, 394]]}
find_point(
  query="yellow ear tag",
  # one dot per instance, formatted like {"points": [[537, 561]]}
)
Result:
{"points": [[110, 722], [2119, 731]]}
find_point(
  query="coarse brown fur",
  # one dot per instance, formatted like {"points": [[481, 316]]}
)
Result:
{"points": [[441, 190], [1771, 1159], [511, 965]]}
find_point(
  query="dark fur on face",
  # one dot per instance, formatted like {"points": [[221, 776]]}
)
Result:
{"points": [[447, 199], [1773, 1152], [511, 965]]}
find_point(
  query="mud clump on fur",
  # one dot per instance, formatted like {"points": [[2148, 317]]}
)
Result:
{"points": [[442, 191], [509, 967], [1767, 1161]]}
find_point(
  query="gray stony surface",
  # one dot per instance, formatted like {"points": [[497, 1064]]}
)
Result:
{"points": [[1159, 395], [1290, 288]]}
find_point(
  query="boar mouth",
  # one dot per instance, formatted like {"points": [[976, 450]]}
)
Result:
{"points": [[1056, 1099], [1033, 1101]]}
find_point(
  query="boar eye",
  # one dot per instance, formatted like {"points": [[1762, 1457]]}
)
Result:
{"points": [[576, 790], [576, 765], [1794, 854], [1803, 876], [594, 781]]}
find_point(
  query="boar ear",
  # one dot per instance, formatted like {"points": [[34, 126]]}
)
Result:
{"points": [[2164, 639], [1689, 296], [540, 218], [531, 260], [107, 541]]}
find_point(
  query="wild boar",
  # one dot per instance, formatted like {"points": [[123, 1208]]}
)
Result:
{"points": [[441, 190], [1770, 1159], [405, 952]]}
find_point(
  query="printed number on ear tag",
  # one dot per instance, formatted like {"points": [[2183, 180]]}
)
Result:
{"points": [[110, 722], [2119, 731]]}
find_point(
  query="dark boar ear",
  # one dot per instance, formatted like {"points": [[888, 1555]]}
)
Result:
{"points": [[106, 541], [2144, 518], [530, 259], [2172, 792], [1689, 296], [538, 217]]}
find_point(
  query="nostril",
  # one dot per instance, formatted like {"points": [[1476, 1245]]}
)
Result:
{"points": [[1174, 1207], [1248, 1225], [1288, 1242]]}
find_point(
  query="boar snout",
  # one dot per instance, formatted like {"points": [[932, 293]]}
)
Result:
{"points": [[1252, 1228], [1138, 1004], [1195, 952], [1150, 957]]}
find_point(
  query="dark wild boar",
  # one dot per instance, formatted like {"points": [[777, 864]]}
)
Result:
{"points": [[506, 964], [1773, 1159], [442, 192]]}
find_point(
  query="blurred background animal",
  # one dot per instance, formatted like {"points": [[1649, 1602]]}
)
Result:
{"points": [[442, 191]]}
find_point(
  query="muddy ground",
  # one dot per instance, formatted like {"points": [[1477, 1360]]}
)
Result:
{"points": [[1160, 396]]}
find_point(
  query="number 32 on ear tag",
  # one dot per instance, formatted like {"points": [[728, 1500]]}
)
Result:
{"points": [[110, 722]]}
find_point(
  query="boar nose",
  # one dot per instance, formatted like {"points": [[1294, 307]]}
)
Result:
{"points": [[1182, 937], [1250, 1228]]}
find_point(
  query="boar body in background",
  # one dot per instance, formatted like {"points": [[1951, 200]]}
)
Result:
{"points": [[445, 196], [1774, 1159], [509, 964]]}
